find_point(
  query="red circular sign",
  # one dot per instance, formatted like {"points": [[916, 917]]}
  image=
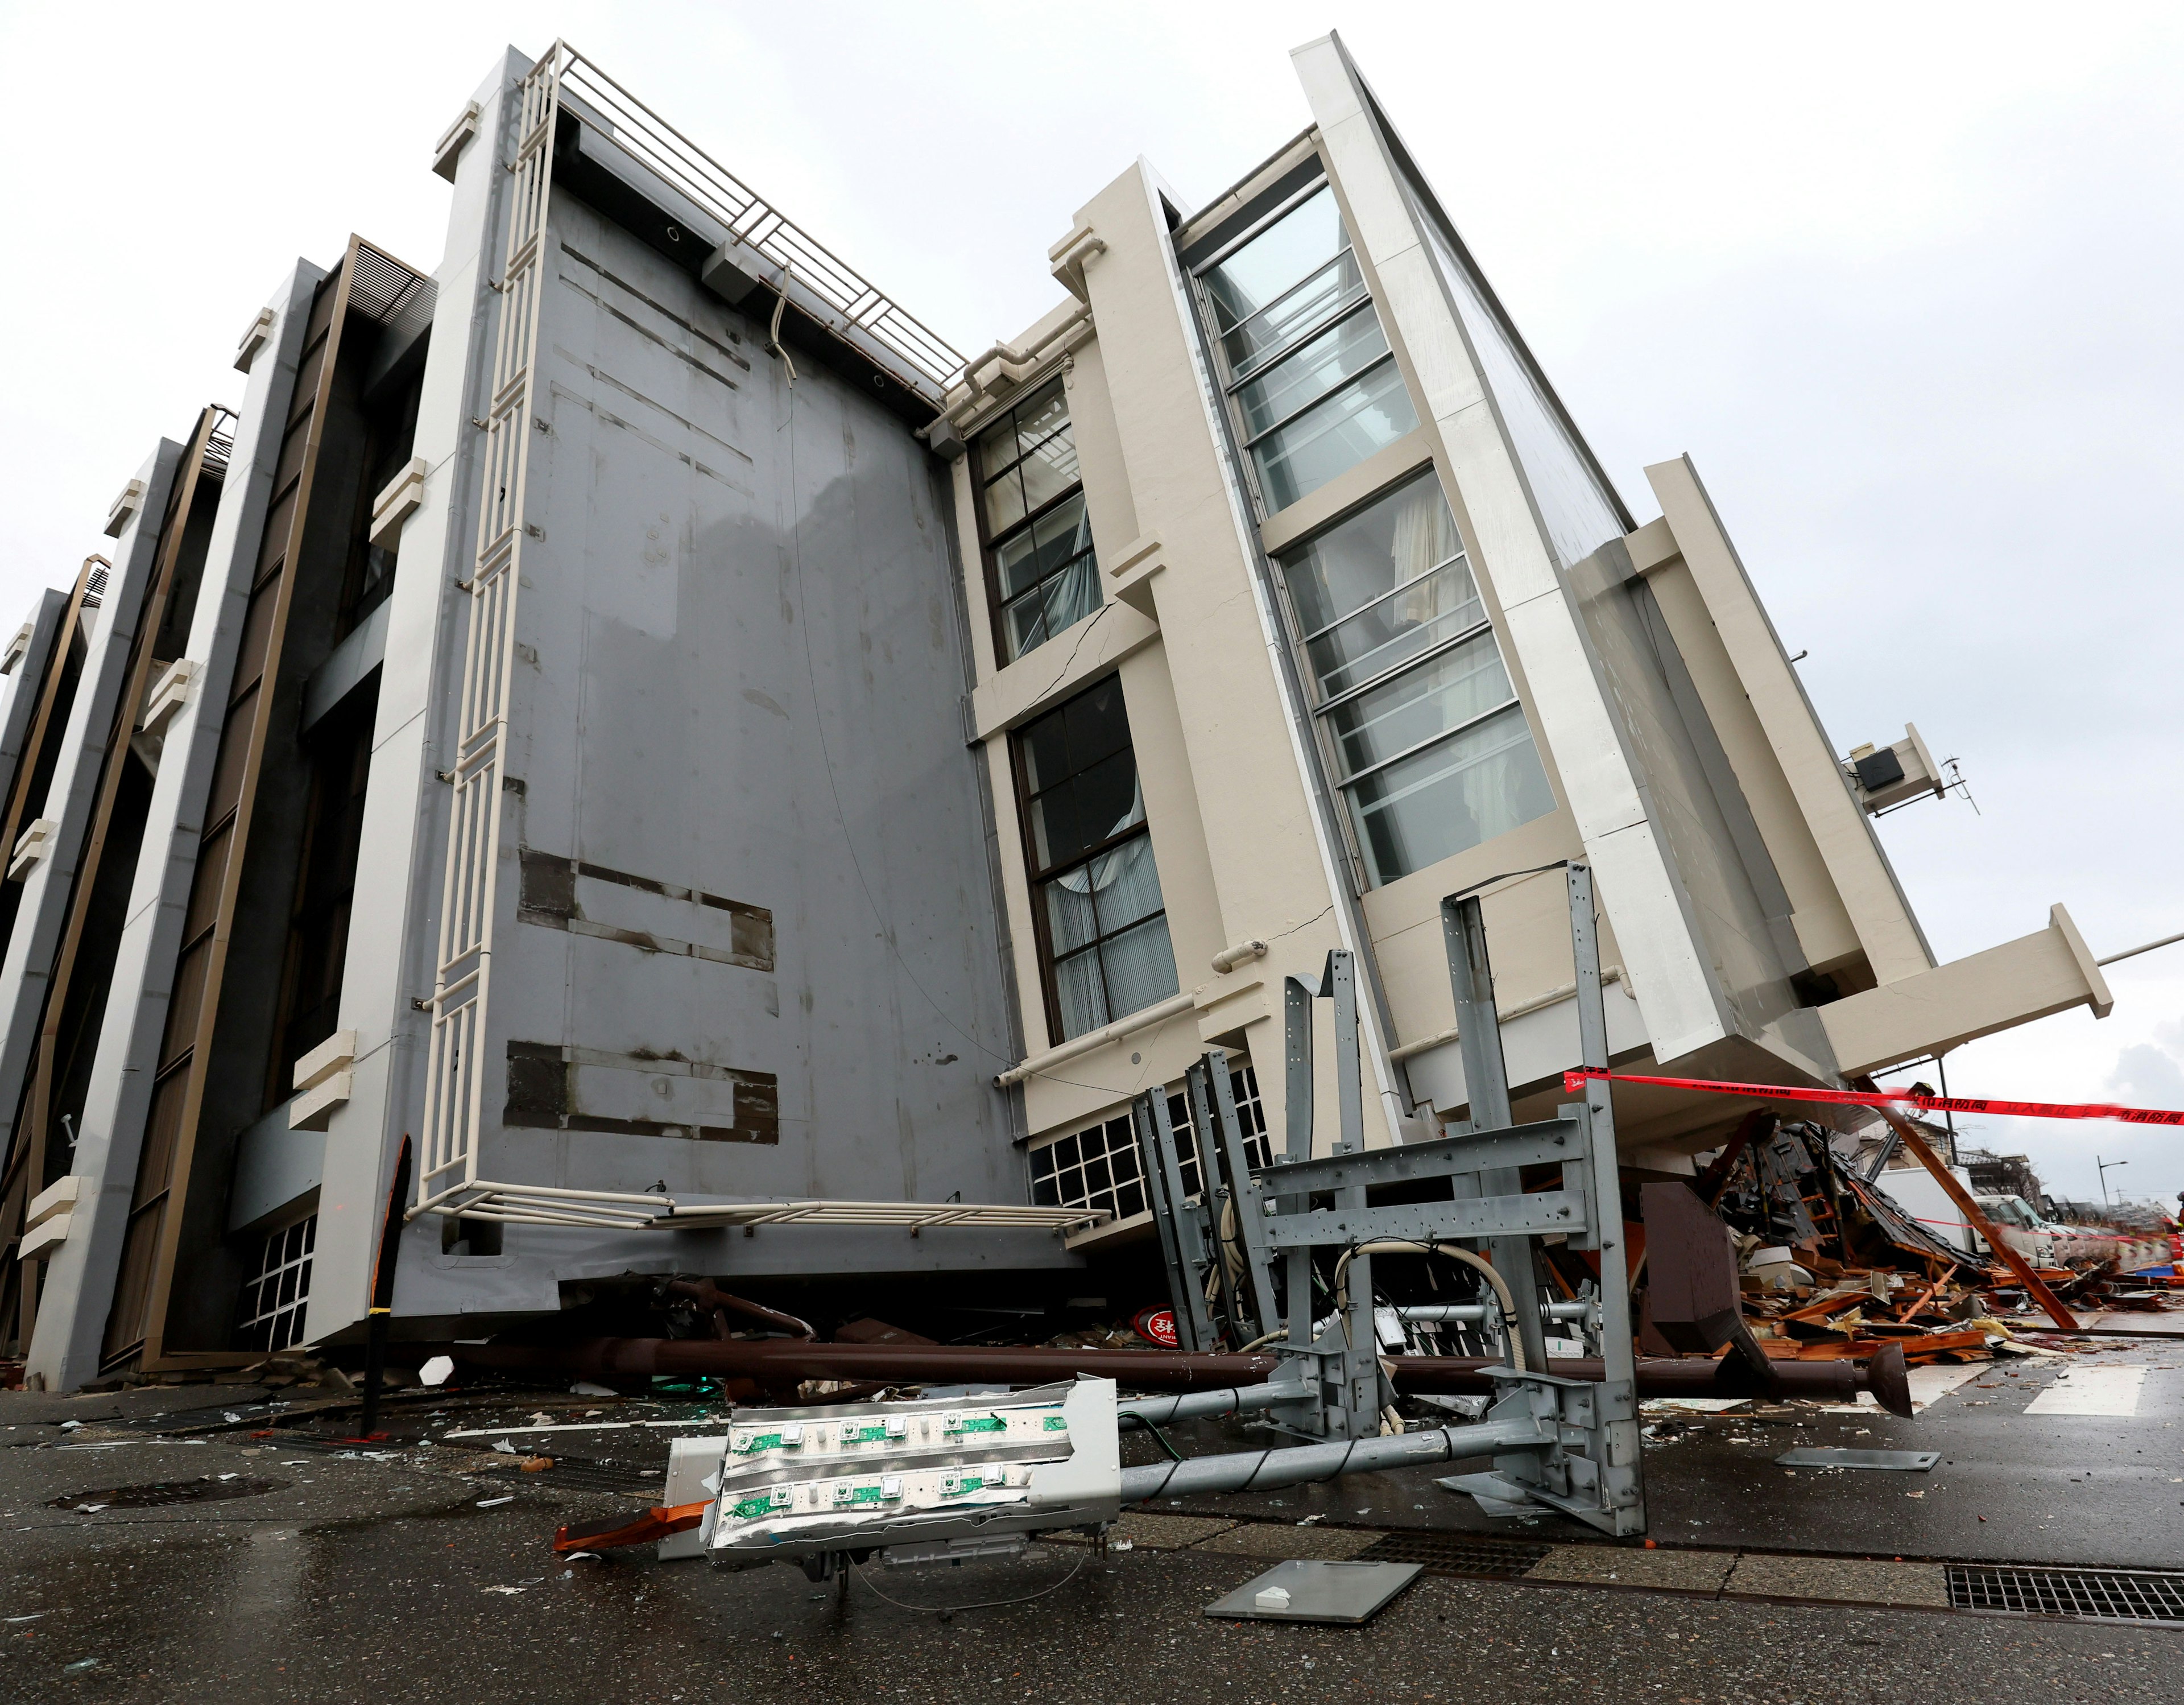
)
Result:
{"points": [[1156, 1326]]}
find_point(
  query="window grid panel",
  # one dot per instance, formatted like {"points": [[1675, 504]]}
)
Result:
{"points": [[1101, 1166], [274, 1300]]}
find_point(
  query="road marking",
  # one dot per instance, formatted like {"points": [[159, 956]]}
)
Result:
{"points": [[1938, 1379], [2092, 1391]]}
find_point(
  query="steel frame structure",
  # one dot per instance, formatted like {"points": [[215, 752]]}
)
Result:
{"points": [[1571, 1445]]}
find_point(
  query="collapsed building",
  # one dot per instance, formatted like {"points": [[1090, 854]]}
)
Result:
{"points": [[755, 794]]}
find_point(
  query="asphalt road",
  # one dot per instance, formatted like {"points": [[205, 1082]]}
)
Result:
{"points": [[399, 1577], [2081, 1489]]}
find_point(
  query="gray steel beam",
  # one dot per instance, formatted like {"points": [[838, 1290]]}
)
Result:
{"points": [[1214, 1195], [1250, 1220], [1486, 1088], [1512, 1218], [1551, 1141], [1184, 1237]]}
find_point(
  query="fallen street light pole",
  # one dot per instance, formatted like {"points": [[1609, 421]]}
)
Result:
{"points": [[754, 1366], [1267, 1471]]}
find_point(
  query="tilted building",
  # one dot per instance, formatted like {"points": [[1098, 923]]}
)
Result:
{"points": [[749, 792]]}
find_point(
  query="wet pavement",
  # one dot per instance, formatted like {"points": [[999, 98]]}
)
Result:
{"points": [[423, 1572], [2083, 1490]]}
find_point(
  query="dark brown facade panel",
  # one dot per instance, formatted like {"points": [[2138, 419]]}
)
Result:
{"points": [[547, 896], [541, 1097]]}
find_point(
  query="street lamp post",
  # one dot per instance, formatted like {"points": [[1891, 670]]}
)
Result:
{"points": [[2102, 1166]]}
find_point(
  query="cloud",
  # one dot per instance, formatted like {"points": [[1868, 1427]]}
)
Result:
{"points": [[2151, 1074]]}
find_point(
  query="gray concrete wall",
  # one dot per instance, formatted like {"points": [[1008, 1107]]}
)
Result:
{"points": [[739, 672]]}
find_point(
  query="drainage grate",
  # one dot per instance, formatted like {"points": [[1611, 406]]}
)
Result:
{"points": [[1455, 1554], [592, 1474], [2120, 1595], [154, 1493]]}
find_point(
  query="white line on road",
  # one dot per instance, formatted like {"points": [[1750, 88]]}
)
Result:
{"points": [[2092, 1391]]}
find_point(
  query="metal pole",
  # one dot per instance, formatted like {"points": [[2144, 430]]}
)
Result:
{"points": [[1259, 1471], [1250, 1217], [1190, 1406], [1486, 1087], [1297, 997], [1213, 1195], [1189, 1230], [1361, 1400], [1477, 1029], [1157, 1197], [1619, 1474]]}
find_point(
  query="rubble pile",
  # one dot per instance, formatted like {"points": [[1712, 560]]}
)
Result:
{"points": [[1831, 1266]]}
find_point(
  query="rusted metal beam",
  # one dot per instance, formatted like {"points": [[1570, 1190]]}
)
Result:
{"points": [[1978, 1221], [751, 1366]]}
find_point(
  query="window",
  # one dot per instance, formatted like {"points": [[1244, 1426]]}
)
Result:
{"points": [[271, 1317], [1430, 745], [1103, 1166], [1031, 509], [1095, 892], [1314, 383]]}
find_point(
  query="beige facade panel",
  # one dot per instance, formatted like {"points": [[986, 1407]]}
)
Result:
{"points": [[1855, 867], [2049, 971]]}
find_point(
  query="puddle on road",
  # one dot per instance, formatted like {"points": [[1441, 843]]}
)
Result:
{"points": [[154, 1493]]}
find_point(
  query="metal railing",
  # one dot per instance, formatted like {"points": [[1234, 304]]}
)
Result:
{"points": [[851, 301]]}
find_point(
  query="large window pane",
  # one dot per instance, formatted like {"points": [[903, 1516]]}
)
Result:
{"points": [[1035, 522], [1071, 922], [1335, 287], [1367, 415], [1398, 538], [1004, 501], [1125, 885], [1404, 623], [1311, 371], [1049, 470], [1444, 692], [1079, 993], [1140, 967], [1296, 245], [1072, 595], [1102, 931], [1470, 787]]}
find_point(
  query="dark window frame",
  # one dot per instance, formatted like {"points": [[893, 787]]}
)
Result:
{"points": [[990, 543], [1037, 876]]}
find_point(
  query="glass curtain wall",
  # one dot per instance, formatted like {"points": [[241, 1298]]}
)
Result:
{"points": [[1431, 748], [1313, 381], [1095, 890], [1031, 508]]}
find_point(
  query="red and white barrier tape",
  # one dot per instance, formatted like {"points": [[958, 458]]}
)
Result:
{"points": [[1573, 1084]]}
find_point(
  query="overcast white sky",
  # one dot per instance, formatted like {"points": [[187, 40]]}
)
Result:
{"points": [[1903, 281]]}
